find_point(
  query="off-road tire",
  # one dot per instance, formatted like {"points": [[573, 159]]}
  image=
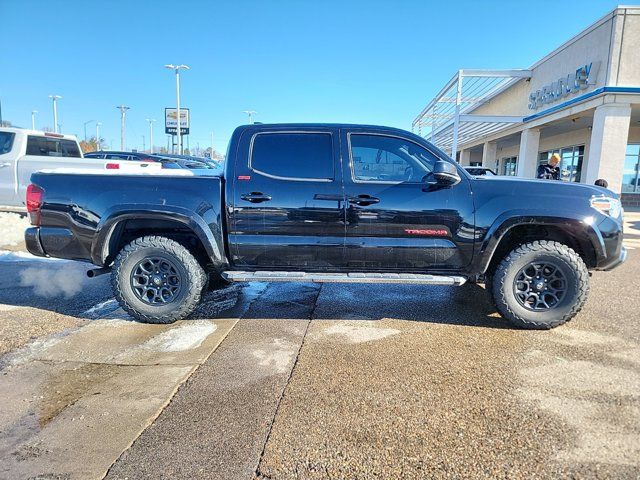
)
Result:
{"points": [[192, 275], [573, 268]]}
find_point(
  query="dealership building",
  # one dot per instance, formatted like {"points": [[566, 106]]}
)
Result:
{"points": [[582, 101]]}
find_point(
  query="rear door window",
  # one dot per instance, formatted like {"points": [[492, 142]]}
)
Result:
{"points": [[69, 148], [51, 147], [6, 142], [293, 156]]}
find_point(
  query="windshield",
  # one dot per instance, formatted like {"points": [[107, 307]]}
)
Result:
{"points": [[6, 142]]}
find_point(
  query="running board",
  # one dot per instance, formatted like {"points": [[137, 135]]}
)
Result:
{"points": [[408, 278]]}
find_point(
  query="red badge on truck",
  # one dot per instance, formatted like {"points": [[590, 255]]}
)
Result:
{"points": [[432, 232]]}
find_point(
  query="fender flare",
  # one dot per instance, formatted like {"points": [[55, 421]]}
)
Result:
{"points": [[116, 215], [573, 223]]}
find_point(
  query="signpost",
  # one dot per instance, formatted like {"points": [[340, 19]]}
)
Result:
{"points": [[171, 121]]}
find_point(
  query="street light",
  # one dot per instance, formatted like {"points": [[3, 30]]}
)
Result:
{"points": [[151, 120], [98, 125], [55, 111], [251, 113], [123, 111], [33, 119], [85, 129], [177, 68]]}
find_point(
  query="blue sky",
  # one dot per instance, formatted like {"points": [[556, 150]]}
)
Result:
{"points": [[373, 62]]}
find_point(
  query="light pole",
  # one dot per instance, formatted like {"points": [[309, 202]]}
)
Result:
{"points": [[98, 125], [177, 68], [151, 120], [55, 111], [123, 112], [85, 129], [251, 113], [33, 119]]}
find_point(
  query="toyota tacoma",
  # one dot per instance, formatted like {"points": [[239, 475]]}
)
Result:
{"points": [[329, 203]]}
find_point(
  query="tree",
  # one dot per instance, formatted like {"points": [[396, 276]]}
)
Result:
{"points": [[90, 145], [6, 123]]}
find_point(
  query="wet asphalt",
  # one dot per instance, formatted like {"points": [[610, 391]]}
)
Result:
{"points": [[361, 381], [376, 381]]}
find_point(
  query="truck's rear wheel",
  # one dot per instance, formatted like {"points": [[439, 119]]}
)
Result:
{"points": [[540, 285], [157, 280]]}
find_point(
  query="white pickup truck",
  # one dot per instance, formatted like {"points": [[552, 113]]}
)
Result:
{"points": [[23, 152]]}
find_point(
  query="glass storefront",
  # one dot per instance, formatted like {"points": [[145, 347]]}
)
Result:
{"points": [[630, 178], [571, 159], [509, 166]]}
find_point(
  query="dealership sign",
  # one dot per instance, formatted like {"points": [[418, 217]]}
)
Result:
{"points": [[583, 77], [171, 121]]}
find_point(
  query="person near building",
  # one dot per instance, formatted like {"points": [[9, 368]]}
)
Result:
{"points": [[550, 170], [601, 182]]}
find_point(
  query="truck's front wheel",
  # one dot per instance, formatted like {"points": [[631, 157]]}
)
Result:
{"points": [[157, 280], [540, 285]]}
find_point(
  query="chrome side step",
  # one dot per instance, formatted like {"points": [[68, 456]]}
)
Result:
{"points": [[408, 278]]}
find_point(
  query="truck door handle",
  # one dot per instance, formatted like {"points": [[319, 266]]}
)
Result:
{"points": [[5, 164], [255, 197], [364, 200]]}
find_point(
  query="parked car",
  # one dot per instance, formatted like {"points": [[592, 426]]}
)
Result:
{"points": [[185, 161], [480, 171], [23, 152], [314, 203], [166, 160]]}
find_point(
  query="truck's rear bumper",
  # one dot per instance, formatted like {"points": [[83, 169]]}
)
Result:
{"points": [[55, 242], [32, 239]]}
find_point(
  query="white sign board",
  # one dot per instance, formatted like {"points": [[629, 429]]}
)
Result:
{"points": [[171, 120]]}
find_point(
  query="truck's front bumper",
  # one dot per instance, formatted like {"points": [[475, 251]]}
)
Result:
{"points": [[616, 261], [32, 239]]}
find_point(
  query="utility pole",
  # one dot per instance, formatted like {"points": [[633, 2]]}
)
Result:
{"points": [[55, 99], [33, 119], [123, 112], [177, 69], [144, 146], [85, 129], [251, 113], [98, 124], [151, 120]]}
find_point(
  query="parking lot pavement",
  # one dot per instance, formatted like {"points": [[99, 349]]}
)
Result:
{"points": [[73, 401], [407, 382]]}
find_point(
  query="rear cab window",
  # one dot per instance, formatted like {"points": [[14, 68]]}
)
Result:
{"points": [[6, 142], [295, 156], [52, 147]]}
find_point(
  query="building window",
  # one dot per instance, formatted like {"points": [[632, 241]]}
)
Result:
{"points": [[509, 166], [630, 174], [571, 159]]}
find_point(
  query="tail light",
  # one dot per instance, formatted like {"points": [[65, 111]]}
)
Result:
{"points": [[34, 203], [112, 166]]}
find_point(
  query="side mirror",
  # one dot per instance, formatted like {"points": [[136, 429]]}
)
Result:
{"points": [[444, 174]]}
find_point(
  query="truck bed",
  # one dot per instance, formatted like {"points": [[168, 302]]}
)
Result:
{"points": [[81, 211]]}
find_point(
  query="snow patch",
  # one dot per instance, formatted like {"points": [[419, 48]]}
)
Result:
{"points": [[7, 308], [12, 227], [360, 332], [278, 357], [9, 256], [185, 337], [101, 309]]}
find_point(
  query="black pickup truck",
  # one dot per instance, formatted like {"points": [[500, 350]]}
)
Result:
{"points": [[330, 203]]}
